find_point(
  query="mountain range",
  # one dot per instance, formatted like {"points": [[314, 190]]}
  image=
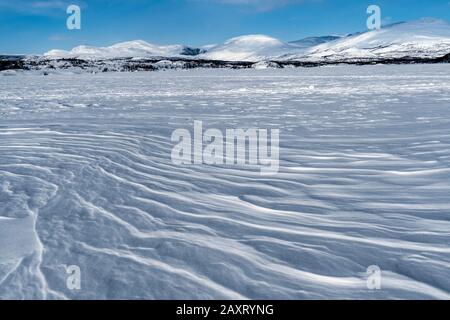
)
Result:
{"points": [[424, 40]]}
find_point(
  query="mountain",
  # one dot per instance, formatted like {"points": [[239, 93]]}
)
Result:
{"points": [[425, 38], [251, 48], [245, 48], [135, 49], [422, 41]]}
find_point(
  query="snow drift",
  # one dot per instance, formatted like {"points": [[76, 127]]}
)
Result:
{"points": [[86, 179]]}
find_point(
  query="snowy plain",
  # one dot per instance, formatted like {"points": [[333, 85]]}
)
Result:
{"points": [[86, 179]]}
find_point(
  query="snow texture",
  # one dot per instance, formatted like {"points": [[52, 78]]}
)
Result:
{"points": [[86, 179]]}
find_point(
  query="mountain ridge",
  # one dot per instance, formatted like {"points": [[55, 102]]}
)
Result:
{"points": [[421, 41], [424, 38]]}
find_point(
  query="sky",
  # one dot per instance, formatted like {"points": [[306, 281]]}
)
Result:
{"points": [[37, 26]]}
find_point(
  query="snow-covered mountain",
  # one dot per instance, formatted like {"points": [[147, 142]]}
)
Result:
{"points": [[425, 38], [251, 48], [138, 48], [245, 48]]}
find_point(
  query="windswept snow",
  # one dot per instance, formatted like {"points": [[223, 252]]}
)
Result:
{"points": [[86, 179]]}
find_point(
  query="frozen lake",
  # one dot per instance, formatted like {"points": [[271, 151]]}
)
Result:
{"points": [[86, 179]]}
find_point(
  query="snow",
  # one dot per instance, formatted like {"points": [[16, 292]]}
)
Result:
{"points": [[86, 179]]}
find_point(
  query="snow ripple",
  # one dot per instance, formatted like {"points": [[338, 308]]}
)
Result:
{"points": [[86, 179]]}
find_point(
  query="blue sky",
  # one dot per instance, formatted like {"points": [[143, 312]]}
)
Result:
{"points": [[36, 26]]}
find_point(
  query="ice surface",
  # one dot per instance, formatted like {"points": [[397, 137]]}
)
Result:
{"points": [[86, 179]]}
